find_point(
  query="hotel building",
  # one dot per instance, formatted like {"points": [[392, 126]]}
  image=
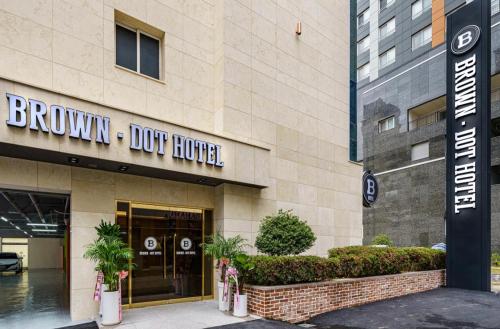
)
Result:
{"points": [[174, 119], [401, 90]]}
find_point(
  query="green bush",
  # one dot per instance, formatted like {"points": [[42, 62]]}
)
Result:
{"points": [[368, 261], [284, 234], [382, 239], [278, 270], [348, 262], [495, 259]]}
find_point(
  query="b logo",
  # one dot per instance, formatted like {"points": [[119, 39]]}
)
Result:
{"points": [[186, 244], [465, 39], [370, 189], [150, 243]]}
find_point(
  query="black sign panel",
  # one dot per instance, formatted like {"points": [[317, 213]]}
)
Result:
{"points": [[468, 213], [370, 189]]}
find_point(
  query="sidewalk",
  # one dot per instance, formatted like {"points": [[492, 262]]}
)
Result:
{"points": [[195, 315]]}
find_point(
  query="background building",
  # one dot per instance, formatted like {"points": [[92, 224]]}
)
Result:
{"points": [[231, 76], [401, 87]]}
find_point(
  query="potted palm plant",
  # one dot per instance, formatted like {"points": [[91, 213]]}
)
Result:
{"points": [[112, 257], [241, 265], [223, 250]]}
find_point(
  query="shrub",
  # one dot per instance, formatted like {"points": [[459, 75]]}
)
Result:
{"points": [[348, 262], [284, 234], [368, 261], [382, 239], [422, 259], [278, 270], [495, 259]]}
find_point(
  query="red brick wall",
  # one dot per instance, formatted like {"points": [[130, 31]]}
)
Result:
{"points": [[299, 302]]}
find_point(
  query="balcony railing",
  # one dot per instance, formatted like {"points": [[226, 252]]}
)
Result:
{"points": [[427, 120]]}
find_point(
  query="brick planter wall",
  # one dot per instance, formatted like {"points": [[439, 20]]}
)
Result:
{"points": [[299, 302]]}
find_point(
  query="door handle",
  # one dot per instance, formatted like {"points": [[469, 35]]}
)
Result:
{"points": [[175, 234], [164, 257]]}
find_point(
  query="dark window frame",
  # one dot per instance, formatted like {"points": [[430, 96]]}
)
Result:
{"points": [[138, 33]]}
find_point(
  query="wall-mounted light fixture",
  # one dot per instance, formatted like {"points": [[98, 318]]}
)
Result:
{"points": [[298, 28]]}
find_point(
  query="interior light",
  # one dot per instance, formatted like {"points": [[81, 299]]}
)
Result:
{"points": [[42, 224], [18, 227], [43, 230], [123, 168], [73, 160], [4, 219]]}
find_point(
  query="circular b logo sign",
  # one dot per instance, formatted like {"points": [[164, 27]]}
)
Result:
{"points": [[465, 39], [186, 244], [370, 189], [150, 243]]}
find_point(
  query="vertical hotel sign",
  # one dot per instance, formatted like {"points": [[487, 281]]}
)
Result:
{"points": [[468, 147]]}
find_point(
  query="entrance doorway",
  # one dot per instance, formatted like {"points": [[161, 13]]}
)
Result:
{"points": [[169, 263], [34, 259]]}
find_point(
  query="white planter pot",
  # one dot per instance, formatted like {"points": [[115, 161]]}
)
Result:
{"points": [[104, 287], [223, 304], [110, 301], [240, 305]]}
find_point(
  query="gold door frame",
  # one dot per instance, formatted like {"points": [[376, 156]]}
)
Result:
{"points": [[155, 206]]}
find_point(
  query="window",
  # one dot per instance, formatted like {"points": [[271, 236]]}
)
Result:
{"points": [[364, 72], [387, 29], [364, 17], [387, 58], [420, 151], [421, 38], [386, 124], [495, 127], [363, 45], [495, 7], [427, 114], [419, 6], [144, 58], [386, 3], [495, 175]]}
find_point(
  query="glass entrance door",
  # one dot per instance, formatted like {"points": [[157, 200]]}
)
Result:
{"points": [[168, 258]]}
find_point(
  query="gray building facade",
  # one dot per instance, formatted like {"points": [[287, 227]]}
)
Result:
{"points": [[401, 111]]}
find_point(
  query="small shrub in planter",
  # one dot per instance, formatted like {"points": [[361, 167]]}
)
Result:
{"points": [[284, 234], [382, 239]]}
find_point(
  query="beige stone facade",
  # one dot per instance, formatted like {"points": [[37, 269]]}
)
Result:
{"points": [[232, 72]]}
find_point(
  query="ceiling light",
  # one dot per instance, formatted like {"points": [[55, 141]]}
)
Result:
{"points": [[4, 219], [17, 227], [123, 168], [43, 230], [42, 224], [73, 160]]}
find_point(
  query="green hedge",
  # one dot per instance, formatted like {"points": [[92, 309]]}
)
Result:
{"points": [[278, 270], [349, 262], [368, 261]]}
